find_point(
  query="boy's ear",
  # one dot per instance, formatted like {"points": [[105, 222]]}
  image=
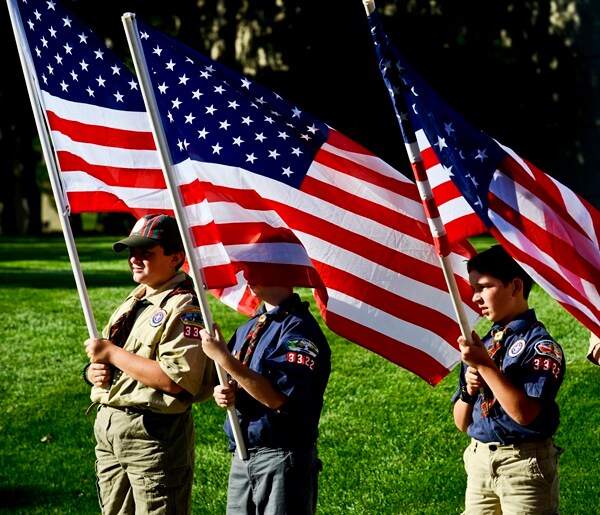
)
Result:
{"points": [[518, 285], [177, 257]]}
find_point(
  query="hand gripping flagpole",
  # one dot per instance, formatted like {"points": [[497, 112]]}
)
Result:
{"points": [[49, 157], [438, 231], [160, 139]]}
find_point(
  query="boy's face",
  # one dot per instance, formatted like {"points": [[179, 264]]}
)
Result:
{"points": [[151, 267], [498, 302]]}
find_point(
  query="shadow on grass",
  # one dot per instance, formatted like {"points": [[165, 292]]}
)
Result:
{"points": [[52, 248], [47, 279], [30, 496]]}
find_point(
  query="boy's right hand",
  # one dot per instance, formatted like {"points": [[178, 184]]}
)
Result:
{"points": [[224, 394]]}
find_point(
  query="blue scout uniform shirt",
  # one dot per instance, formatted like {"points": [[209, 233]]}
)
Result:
{"points": [[294, 355], [532, 361]]}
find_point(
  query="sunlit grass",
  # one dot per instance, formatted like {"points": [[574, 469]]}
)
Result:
{"points": [[388, 442]]}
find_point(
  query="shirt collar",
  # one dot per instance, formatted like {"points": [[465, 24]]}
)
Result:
{"points": [[161, 292], [517, 325]]}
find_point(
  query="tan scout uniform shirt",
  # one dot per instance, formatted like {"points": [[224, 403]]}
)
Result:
{"points": [[162, 331]]}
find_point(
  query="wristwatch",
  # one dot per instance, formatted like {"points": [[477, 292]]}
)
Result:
{"points": [[465, 397]]}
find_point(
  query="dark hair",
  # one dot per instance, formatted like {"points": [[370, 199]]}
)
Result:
{"points": [[498, 263], [170, 248]]}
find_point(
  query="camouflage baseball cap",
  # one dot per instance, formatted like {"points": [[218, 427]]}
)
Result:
{"points": [[149, 231]]}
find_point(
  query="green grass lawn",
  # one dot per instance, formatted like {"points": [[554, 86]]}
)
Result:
{"points": [[388, 442]]}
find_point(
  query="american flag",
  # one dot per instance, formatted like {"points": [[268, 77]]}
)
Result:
{"points": [[95, 110], [98, 123], [551, 231], [269, 190]]}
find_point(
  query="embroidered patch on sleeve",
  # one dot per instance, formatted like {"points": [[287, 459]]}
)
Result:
{"points": [[302, 352], [548, 358], [549, 348], [302, 345], [192, 324]]}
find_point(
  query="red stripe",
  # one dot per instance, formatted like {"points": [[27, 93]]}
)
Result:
{"points": [[81, 202], [101, 135], [445, 192], [363, 173], [464, 227], [267, 274], [242, 233], [113, 175], [543, 188]]}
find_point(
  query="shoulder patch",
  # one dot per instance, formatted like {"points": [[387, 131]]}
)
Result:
{"points": [[192, 324], [192, 317], [516, 348], [549, 348], [302, 345]]}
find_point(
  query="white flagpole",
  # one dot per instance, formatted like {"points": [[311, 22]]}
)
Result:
{"points": [[49, 157], [438, 231], [160, 139]]}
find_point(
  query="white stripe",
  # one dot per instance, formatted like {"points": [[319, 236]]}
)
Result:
{"points": [[454, 209], [277, 253], [137, 198], [96, 115], [368, 191], [107, 156], [368, 161], [233, 295]]}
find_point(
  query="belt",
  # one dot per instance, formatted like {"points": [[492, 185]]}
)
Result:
{"points": [[130, 410], [495, 446]]}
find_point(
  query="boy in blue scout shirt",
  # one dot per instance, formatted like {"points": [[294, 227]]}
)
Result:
{"points": [[505, 400], [279, 363], [146, 372]]}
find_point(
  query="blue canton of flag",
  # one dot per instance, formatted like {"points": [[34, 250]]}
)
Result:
{"points": [[71, 61], [240, 123], [99, 127]]}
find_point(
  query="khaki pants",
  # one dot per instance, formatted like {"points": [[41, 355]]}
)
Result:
{"points": [[512, 479], [144, 462]]}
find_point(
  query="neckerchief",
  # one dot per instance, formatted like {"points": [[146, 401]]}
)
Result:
{"points": [[496, 351]]}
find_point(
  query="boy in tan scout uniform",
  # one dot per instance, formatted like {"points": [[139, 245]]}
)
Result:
{"points": [[146, 372]]}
